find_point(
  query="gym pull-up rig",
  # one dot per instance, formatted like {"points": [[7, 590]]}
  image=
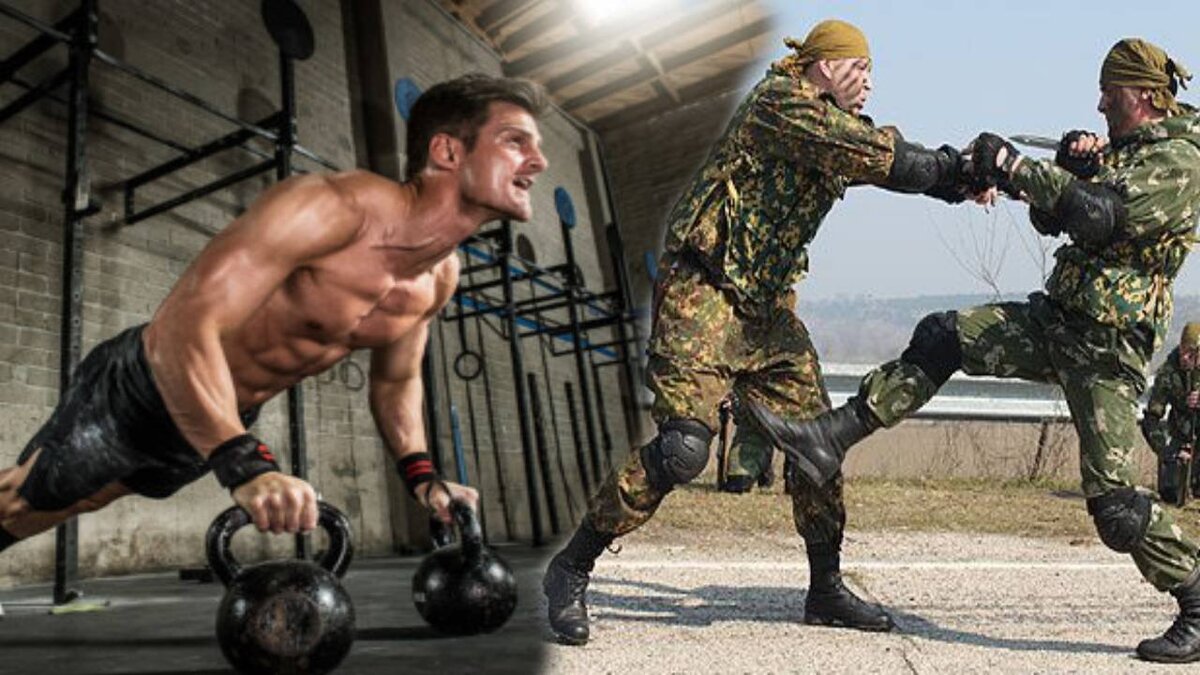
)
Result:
{"points": [[554, 290], [557, 289], [78, 32]]}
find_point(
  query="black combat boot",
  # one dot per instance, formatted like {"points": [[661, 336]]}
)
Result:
{"points": [[566, 583], [1181, 642], [830, 603], [819, 445], [739, 484]]}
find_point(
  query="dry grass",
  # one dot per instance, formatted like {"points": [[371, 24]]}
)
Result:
{"points": [[1023, 508]]}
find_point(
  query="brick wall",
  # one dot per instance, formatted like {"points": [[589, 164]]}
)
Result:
{"points": [[226, 58]]}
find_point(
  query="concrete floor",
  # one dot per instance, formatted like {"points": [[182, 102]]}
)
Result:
{"points": [[963, 603], [156, 624]]}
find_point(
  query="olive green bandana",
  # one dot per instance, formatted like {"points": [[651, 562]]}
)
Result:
{"points": [[1133, 62], [829, 40]]}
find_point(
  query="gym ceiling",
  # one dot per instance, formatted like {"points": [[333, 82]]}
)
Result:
{"points": [[608, 63]]}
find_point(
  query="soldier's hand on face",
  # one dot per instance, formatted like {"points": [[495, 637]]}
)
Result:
{"points": [[1184, 454], [1193, 400], [432, 496], [278, 503]]}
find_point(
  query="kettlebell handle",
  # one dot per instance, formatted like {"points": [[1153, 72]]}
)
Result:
{"points": [[469, 532], [216, 542]]}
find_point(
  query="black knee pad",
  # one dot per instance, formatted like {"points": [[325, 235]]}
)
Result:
{"points": [[1121, 516], [934, 347], [677, 454]]}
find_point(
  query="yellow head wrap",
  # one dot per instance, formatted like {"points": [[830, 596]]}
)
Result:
{"points": [[831, 39], [1133, 62], [1191, 336]]}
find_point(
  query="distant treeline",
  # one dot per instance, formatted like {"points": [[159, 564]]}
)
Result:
{"points": [[873, 330]]}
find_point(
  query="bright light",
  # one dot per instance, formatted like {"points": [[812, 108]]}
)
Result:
{"points": [[597, 12]]}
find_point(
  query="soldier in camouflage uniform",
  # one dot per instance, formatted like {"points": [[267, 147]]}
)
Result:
{"points": [[748, 457], [1173, 439], [723, 311], [1130, 213]]}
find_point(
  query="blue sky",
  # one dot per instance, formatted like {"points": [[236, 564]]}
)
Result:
{"points": [[944, 71]]}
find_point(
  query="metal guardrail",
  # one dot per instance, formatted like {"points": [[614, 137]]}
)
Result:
{"points": [[965, 397]]}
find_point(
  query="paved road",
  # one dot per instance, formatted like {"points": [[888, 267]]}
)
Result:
{"points": [[963, 603]]}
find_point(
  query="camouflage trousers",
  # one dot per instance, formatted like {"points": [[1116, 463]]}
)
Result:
{"points": [[701, 348], [1102, 373]]}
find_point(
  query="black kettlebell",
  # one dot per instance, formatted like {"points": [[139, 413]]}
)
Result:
{"points": [[465, 588], [283, 616]]}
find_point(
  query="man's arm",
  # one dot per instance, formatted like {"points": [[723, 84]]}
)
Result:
{"points": [[1096, 212], [397, 400], [814, 133], [294, 222]]}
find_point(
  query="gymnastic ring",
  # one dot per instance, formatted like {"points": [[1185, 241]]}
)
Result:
{"points": [[468, 365]]}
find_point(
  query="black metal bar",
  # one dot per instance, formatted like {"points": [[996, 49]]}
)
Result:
{"points": [[475, 288], [543, 452], [605, 434], [162, 85], [616, 249], [518, 366], [191, 195], [576, 330], [576, 441], [593, 346], [40, 26], [431, 405], [493, 435], [477, 312], [537, 301], [472, 269], [38, 91], [76, 198], [99, 113], [230, 140], [309, 154], [591, 324], [33, 49]]}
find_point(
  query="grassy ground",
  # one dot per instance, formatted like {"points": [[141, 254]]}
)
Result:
{"points": [[1023, 508]]}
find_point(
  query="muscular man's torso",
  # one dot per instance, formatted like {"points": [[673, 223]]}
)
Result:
{"points": [[366, 295]]}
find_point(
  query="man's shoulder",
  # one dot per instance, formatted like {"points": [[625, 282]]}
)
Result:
{"points": [[359, 184]]}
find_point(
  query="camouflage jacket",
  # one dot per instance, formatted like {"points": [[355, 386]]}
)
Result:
{"points": [[1170, 390], [1127, 284], [787, 155]]}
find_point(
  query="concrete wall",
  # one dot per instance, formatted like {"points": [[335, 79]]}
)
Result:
{"points": [[221, 53]]}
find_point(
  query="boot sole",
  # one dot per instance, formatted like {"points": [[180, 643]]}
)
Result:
{"points": [[564, 639], [838, 623], [807, 469], [1191, 658]]}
